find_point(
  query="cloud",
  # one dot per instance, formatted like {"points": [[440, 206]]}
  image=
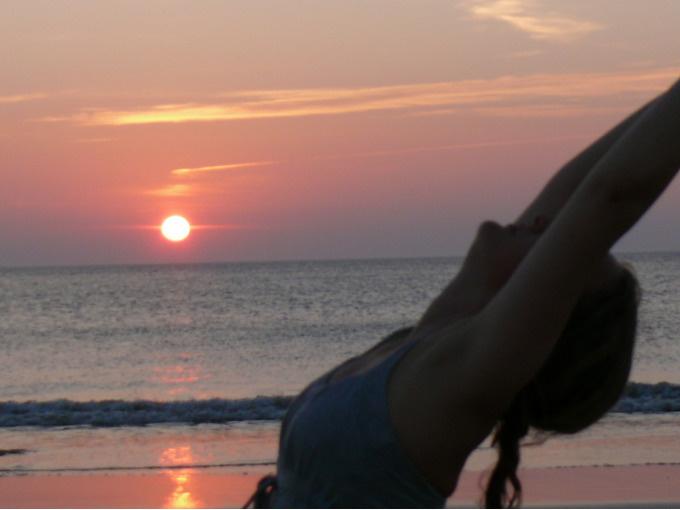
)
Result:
{"points": [[171, 190], [178, 190], [259, 104], [549, 111], [21, 98], [217, 168], [522, 15], [456, 147]]}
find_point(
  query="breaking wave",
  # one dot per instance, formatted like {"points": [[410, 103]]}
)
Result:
{"points": [[639, 398], [134, 413]]}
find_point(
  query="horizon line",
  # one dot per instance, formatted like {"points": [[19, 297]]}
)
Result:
{"points": [[668, 251]]}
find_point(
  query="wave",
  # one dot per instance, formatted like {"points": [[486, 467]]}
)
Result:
{"points": [[124, 413], [639, 398], [644, 398]]}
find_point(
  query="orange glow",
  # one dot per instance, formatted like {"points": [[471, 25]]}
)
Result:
{"points": [[178, 374], [181, 496], [178, 379], [175, 228]]}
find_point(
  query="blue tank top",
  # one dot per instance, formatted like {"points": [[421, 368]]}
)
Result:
{"points": [[338, 447]]}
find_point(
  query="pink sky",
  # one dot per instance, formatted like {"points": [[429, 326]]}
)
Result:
{"points": [[304, 130]]}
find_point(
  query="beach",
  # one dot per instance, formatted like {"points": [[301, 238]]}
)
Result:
{"points": [[618, 463], [652, 486]]}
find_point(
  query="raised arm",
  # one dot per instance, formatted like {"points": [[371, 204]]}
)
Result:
{"points": [[562, 185], [517, 330], [554, 195]]}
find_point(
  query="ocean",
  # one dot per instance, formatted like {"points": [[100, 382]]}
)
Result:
{"points": [[146, 368]]}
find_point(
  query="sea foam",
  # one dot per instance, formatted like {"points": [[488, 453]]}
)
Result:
{"points": [[639, 398], [121, 413]]}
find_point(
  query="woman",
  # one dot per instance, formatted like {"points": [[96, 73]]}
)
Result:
{"points": [[535, 331]]}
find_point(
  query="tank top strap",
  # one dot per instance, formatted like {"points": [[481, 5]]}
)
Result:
{"points": [[379, 375]]}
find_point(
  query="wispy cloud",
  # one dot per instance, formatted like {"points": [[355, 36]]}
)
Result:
{"points": [[21, 98], [218, 168], [261, 104], [172, 190], [184, 189], [188, 190], [525, 15], [549, 110], [546, 110], [455, 147]]}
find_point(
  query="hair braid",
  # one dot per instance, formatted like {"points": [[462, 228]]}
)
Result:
{"points": [[512, 428]]}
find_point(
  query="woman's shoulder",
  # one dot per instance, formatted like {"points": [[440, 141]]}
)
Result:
{"points": [[429, 405]]}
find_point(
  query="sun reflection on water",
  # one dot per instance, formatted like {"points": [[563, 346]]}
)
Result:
{"points": [[179, 376], [181, 496]]}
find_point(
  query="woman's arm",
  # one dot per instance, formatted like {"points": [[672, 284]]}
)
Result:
{"points": [[553, 196], [517, 330], [559, 189]]}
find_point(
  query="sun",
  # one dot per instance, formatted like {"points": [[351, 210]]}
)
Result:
{"points": [[175, 228]]}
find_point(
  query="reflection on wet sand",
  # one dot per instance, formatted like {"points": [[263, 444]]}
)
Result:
{"points": [[181, 496]]}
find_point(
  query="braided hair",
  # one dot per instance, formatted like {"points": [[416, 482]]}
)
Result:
{"points": [[514, 425]]}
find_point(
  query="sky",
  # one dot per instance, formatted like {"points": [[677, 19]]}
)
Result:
{"points": [[287, 130]]}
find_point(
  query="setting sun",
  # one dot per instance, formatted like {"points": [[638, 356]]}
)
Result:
{"points": [[175, 228]]}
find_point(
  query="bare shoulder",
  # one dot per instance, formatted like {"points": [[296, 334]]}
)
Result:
{"points": [[434, 380], [429, 406]]}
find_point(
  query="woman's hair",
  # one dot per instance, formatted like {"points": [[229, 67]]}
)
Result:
{"points": [[580, 381]]}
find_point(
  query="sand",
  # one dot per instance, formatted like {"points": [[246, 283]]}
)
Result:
{"points": [[630, 486]]}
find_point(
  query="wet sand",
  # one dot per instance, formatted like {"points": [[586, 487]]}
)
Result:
{"points": [[622, 486]]}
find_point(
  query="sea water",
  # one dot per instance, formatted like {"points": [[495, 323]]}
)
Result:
{"points": [[138, 368]]}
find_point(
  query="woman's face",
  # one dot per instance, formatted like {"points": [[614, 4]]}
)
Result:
{"points": [[498, 250]]}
